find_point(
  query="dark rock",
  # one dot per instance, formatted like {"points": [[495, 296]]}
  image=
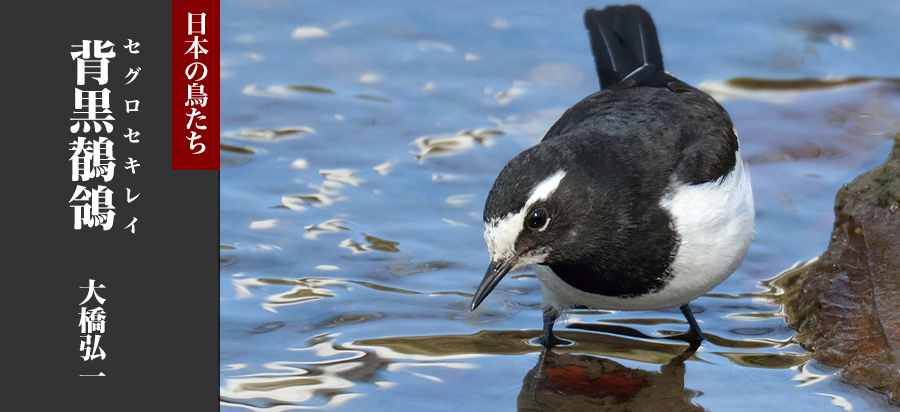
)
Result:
{"points": [[846, 305]]}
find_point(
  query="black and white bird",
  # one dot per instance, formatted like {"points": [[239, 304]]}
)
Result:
{"points": [[636, 199]]}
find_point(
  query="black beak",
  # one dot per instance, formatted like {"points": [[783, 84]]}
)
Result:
{"points": [[492, 277]]}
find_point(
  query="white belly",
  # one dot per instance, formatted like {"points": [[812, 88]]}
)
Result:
{"points": [[715, 224]]}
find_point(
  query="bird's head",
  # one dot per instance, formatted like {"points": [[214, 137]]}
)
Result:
{"points": [[531, 214]]}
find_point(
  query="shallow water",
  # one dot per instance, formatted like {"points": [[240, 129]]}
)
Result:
{"points": [[360, 143]]}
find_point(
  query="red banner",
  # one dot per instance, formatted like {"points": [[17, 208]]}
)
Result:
{"points": [[195, 85]]}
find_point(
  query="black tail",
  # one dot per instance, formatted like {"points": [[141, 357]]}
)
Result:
{"points": [[623, 40]]}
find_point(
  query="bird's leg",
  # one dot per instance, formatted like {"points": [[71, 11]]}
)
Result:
{"points": [[547, 339], [693, 335]]}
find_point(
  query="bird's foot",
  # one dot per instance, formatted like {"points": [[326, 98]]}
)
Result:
{"points": [[693, 334], [548, 341], [692, 337]]}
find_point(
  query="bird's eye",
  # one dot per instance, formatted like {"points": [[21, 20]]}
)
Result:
{"points": [[537, 219]]}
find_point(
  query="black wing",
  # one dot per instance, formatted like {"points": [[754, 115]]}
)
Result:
{"points": [[692, 136]]}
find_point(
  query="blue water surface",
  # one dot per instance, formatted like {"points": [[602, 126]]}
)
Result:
{"points": [[360, 141]]}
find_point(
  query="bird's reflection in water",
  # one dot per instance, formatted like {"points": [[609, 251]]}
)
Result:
{"points": [[576, 382]]}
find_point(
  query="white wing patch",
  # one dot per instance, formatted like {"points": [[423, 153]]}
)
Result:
{"points": [[501, 234], [715, 222]]}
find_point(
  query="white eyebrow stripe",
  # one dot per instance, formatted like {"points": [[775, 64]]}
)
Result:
{"points": [[501, 234], [546, 188]]}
